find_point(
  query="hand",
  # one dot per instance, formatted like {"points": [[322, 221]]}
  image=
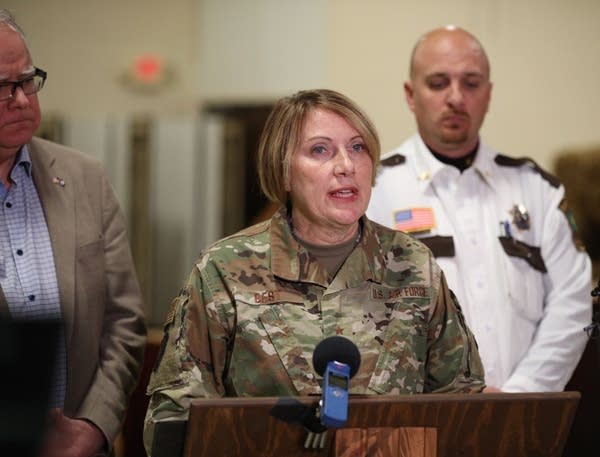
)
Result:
{"points": [[491, 389], [68, 437]]}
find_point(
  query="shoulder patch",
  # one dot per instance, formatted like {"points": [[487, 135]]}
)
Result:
{"points": [[396, 159], [506, 161], [564, 207]]}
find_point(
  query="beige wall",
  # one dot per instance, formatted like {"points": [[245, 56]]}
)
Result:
{"points": [[545, 58], [261, 49], [86, 46]]}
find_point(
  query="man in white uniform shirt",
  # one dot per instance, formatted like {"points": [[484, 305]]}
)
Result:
{"points": [[498, 226]]}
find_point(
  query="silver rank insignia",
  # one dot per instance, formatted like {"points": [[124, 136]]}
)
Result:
{"points": [[520, 217]]}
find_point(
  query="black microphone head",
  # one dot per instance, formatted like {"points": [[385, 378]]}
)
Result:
{"points": [[339, 349]]}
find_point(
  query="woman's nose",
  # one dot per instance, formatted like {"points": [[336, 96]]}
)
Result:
{"points": [[344, 164]]}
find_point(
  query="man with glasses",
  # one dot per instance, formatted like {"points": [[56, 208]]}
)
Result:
{"points": [[64, 256]]}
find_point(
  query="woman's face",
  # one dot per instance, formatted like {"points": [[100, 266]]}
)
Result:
{"points": [[330, 179]]}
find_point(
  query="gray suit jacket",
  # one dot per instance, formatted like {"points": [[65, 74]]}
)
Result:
{"points": [[100, 298]]}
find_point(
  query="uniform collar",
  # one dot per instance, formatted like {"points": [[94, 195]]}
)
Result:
{"points": [[428, 167], [484, 164], [292, 262]]}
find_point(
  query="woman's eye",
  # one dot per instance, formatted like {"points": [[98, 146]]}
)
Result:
{"points": [[358, 147], [318, 149]]}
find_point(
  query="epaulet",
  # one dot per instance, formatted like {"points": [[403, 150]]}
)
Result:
{"points": [[396, 159], [505, 161]]}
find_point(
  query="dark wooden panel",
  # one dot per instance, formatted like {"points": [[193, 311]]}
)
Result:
{"points": [[481, 425], [386, 442]]}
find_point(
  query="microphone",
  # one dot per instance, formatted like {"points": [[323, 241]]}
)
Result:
{"points": [[337, 360]]}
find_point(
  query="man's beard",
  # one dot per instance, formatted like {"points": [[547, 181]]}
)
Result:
{"points": [[453, 136], [452, 132]]}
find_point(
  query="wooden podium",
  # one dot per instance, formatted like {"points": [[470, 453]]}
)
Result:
{"points": [[433, 425]]}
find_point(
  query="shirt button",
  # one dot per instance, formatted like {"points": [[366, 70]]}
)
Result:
{"points": [[19, 252], [8, 204], [31, 297]]}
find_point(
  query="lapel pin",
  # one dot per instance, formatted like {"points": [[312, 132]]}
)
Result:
{"points": [[59, 181]]}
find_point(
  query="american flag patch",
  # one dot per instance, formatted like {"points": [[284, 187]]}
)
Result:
{"points": [[414, 220]]}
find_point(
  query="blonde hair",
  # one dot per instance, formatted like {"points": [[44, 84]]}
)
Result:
{"points": [[281, 135]]}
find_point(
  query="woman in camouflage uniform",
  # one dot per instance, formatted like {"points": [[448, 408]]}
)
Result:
{"points": [[257, 303]]}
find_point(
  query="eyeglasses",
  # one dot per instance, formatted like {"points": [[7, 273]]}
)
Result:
{"points": [[30, 85]]}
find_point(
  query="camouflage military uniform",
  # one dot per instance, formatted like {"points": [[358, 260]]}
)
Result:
{"points": [[256, 305]]}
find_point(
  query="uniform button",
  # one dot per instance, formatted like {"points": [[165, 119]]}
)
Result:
{"points": [[19, 252], [8, 204], [31, 297]]}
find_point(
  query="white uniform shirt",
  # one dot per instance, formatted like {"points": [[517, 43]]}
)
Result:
{"points": [[528, 323]]}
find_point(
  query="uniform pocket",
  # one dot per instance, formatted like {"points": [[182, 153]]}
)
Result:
{"points": [[274, 345], [440, 246], [524, 268], [531, 254], [400, 361]]}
